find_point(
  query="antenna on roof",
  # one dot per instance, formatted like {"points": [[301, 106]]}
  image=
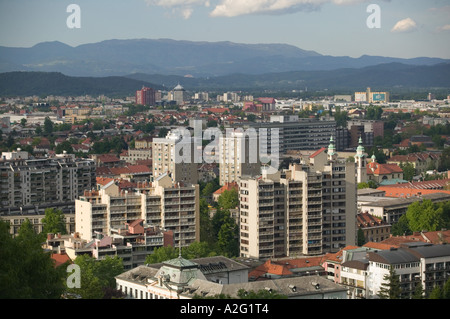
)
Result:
{"points": [[179, 236]]}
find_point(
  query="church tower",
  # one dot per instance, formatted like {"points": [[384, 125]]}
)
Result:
{"points": [[360, 161], [332, 155]]}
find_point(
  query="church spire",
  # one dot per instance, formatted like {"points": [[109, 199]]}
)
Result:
{"points": [[331, 149]]}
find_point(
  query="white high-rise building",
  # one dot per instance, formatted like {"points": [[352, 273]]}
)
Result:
{"points": [[166, 160], [306, 210], [167, 205], [238, 156]]}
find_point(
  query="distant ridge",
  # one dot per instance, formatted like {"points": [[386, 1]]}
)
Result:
{"points": [[54, 83], [176, 57], [384, 76]]}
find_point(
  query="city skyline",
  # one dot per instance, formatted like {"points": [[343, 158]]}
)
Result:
{"points": [[404, 29]]}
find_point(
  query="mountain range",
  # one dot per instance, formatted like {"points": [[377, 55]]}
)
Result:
{"points": [[173, 57], [120, 67]]}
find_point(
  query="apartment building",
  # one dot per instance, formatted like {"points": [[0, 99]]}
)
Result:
{"points": [[390, 209], [27, 181], [414, 263], [299, 133], [166, 159], [137, 154], [306, 210], [132, 242], [164, 204], [367, 130], [374, 228], [146, 96], [238, 156]]}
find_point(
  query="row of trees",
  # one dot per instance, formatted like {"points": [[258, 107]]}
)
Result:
{"points": [[391, 289]]}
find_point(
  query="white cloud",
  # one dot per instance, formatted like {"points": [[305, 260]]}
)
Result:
{"points": [[187, 13], [405, 25], [176, 3], [181, 7], [232, 8], [444, 28]]}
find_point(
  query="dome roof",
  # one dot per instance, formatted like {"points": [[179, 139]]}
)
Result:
{"points": [[179, 87]]}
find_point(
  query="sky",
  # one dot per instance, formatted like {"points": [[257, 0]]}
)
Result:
{"points": [[395, 28]]}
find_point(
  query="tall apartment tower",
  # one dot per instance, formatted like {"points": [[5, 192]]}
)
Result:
{"points": [[305, 210], [146, 96], [167, 205], [166, 160], [238, 156], [360, 162]]}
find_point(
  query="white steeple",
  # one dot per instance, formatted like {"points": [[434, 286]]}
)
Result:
{"points": [[360, 160]]}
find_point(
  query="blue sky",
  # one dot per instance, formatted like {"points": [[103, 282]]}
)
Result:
{"points": [[409, 28]]}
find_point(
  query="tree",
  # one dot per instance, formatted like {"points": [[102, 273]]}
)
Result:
{"points": [[228, 237], [163, 132], [425, 216], [436, 293], [444, 162], [363, 185], [418, 291], [97, 276], [26, 270], [446, 290], [408, 171], [390, 288], [48, 126], [374, 112], [54, 222], [209, 189], [206, 227], [197, 250], [161, 254], [361, 237], [401, 227], [229, 199], [64, 146]]}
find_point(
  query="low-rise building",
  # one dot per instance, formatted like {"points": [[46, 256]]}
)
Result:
{"points": [[374, 228], [390, 209], [180, 278]]}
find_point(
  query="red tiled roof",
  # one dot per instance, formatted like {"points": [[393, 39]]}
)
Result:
{"points": [[368, 220], [404, 192], [60, 259], [433, 184], [108, 158], [226, 187], [317, 152], [337, 257], [438, 237], [266, 100], [217, 110], [382, 169]]}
